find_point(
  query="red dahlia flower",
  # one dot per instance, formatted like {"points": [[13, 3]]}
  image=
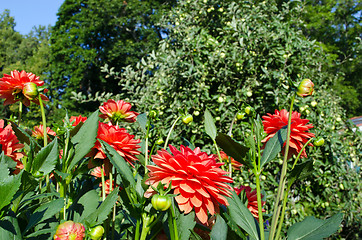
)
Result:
{"points": [[38, 132], [10, 144], [235, 164], [117, 111], [299, 134], [19, 86], [196, 177], [70, 230], [77, 120], [252, 200], [123, 142]]}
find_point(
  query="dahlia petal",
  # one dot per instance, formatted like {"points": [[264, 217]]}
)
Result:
{"points": [[186, 207], [201, 214]]}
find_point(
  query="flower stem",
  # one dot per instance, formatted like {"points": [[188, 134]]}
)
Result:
{"points": [[282, 215], [169, 133], [260, 211], [103, 185], [44, 121], [146, 147], [282, 181], [172, 223], [20, 112]]}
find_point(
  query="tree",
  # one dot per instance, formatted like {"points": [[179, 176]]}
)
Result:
{"points": [[337, 26], [90, 33]]}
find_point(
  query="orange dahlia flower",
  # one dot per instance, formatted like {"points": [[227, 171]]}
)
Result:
{"points": [[10, 144], [19, 86], [197, 179], [299, 134], [252, 200], [38, 132], [117, 111], [77, 120], [123, 142], [70, 230]]}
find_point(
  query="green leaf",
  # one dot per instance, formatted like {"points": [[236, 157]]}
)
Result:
{"points": [[121, 165], [220, 229], [9, 228], [241, 215], [89, 201], [210, 127], [104, 209], [300, 172], [9, 185], [85, 139], [44, 212], [46, 159], [233, 148], [273, 146], [142, 121], [312, 228], [185, 223], [23, 136]]}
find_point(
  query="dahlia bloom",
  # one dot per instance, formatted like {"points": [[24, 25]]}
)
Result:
{"points": [[299, 134], [77, 120], [252, 200], [70, 230], [123, 142], [38, 132], [197, 179], [117, 111], [10, 144], [305, 88], [19, 86], [235, 164]]}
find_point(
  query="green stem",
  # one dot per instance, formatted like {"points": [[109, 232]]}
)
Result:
{"points": [[169, 133], [20, 112], [172, 223], [298, 156], [138, 224], [146, 147], [103, 185], [63, 192], [44, 121], [280, 194], [282, 214], [260, 211], [231, 125]]}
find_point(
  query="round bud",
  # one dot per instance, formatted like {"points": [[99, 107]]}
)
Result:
{"points": [[187, 119], [30, 90], [96, 233]]}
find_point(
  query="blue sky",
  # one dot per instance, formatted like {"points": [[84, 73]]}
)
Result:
{"points": [[29, 13]]}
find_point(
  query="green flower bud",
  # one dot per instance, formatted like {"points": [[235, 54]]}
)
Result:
{"points": [[305, 88], [96, 233], [159, 141], [30, 90], [153, 114], [240, 115], [319, 142], [248, 110], [161, 202]]}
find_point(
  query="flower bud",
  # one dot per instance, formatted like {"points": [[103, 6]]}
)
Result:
{"points": [[30, 90], [305, 88], [70, 230], [319, 142], [240, 115], [153, 114], [96, 233], [248, 110]]}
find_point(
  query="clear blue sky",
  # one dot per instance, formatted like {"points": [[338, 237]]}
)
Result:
{"points": [[29, 13]]}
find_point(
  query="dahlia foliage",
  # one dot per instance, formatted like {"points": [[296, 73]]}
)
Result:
{"points": [[252, 199], [197, 179]]}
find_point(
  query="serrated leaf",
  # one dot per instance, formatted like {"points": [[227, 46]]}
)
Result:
{"points": [[300, 172], [89, 202], [312, 228], [233, 148], [219, 230], [46, 159], [185, 223], [241, 215], [142, 121], [210, 127], [101, 214], [273, 146], [85, 139], [121, 165], [44, 212], [9, 185], [9, 228]]}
